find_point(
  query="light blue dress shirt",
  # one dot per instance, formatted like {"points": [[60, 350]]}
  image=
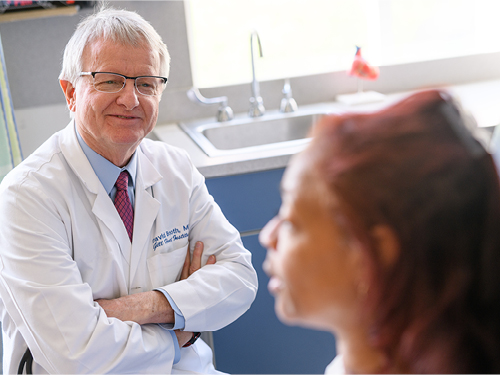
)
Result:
{"points": [[108, 173]]}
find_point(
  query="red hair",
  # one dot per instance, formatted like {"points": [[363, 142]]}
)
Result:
{"points": [[415, 168]]}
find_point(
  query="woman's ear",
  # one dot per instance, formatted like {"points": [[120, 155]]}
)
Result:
{"points": [[70, 94], [387, 244]]}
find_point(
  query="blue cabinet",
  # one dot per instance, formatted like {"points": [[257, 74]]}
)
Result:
{"points": [[249, 200], [258, 343]]}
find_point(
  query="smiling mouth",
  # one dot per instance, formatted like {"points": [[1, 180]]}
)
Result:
{"points": [[125, 117]]}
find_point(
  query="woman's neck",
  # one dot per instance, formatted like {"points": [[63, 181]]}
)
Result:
{"points": [[359, 356]]}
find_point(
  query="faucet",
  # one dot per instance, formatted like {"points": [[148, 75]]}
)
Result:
{"points": [[224, 113], [288, 104], [256, 103]]}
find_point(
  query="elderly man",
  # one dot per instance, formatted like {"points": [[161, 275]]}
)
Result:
{"points": [[95, 226]]}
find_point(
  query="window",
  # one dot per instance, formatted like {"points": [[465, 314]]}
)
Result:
{"points": [[305, 37]]}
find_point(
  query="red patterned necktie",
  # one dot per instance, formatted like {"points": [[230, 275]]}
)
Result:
{"points": [[122, 203]]}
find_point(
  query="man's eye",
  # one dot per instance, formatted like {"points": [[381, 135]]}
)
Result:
{"points": [[109, 82]]}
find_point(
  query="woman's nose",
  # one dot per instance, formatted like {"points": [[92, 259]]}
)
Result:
{"points": [[268, 235]]}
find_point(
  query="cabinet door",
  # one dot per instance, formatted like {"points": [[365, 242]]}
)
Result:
{"points": [[258, 343], [250, 200]]}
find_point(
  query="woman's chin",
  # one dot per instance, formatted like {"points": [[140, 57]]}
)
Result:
{"points": [[292, 317]]}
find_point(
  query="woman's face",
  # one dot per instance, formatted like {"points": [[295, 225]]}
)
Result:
{"points": [[312, 267]]}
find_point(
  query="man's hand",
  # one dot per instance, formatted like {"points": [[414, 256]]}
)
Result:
{"points": [[153, 307], [191, 266]]}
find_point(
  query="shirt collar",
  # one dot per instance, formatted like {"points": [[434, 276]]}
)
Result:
{"points": [[106, 171]]}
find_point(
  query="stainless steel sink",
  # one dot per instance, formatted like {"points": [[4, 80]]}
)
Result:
{"points": [[245, 135]]}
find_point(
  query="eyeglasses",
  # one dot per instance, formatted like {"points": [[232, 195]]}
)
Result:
{"points": [[114, 82]]}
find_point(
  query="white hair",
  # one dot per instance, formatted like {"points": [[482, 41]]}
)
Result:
{"points": [[117, 25]]}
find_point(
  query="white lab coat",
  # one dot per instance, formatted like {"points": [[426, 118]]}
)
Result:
{"points": [[63, 245]]}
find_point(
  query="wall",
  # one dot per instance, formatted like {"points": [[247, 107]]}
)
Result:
{"points": [[33, 54]]}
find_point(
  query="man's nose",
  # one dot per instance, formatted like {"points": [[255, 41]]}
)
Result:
{"points": [[128, 95]]}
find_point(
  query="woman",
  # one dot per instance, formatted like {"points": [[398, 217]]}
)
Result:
{"points": [[389, 237]]}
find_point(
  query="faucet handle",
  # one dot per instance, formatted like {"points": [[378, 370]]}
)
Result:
{"points": [[224, 113], [288, 104]]}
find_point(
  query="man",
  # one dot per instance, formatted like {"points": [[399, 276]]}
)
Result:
{"points": [[95, 226]]}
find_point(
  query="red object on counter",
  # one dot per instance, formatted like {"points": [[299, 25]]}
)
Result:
{"points": [[362, 69]]}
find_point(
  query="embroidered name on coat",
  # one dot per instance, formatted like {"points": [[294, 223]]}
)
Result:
{"points": [[170, 235]]}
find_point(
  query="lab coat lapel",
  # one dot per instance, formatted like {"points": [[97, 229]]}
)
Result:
{"points": [[102, 206], [110, 220], [146, 208]]}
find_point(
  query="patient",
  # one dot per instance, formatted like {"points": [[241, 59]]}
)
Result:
{"points": [[389, 237]]}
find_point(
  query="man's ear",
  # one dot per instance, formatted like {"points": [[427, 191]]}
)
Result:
{"points": [[70, 94], [387, 244]]}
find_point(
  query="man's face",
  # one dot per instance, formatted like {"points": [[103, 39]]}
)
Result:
{"points": [[113, 124]]}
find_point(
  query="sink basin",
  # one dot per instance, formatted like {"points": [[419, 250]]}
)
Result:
{"points": [[243, 134]]}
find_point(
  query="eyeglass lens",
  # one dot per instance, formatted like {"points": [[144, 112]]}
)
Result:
{"points": [[108, 82]]}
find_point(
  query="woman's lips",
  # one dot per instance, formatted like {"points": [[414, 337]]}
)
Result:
{"points": [[274, 285]]}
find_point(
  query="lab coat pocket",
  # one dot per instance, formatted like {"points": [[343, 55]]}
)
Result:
{"points": [[166, 268]]}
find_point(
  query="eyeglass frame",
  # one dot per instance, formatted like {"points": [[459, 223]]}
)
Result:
{"points": [[92, 74]]}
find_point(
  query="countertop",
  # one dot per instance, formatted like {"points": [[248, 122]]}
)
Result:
{"points": [[481, 99]]}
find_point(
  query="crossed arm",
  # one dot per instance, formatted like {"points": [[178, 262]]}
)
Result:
{"points": [[153, 307]]}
